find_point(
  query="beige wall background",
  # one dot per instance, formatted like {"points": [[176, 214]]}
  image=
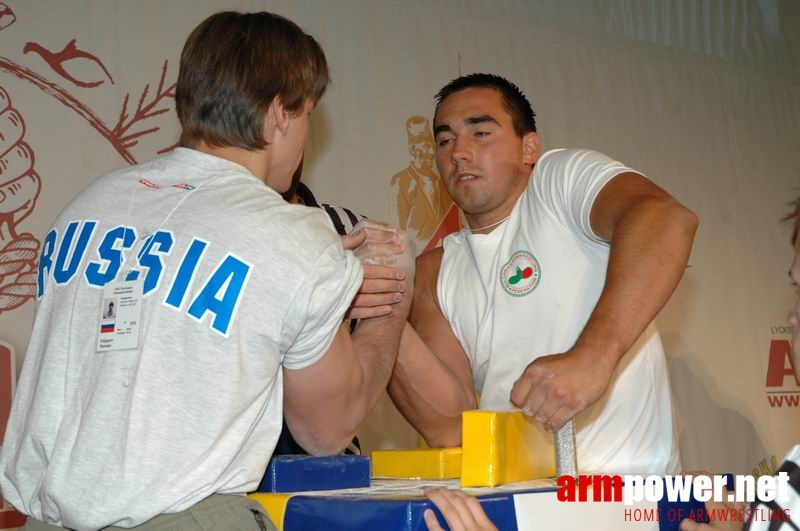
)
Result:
{"points": [[701, 95]]}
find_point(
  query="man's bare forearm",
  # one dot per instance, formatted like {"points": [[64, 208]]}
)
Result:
{"points": [[375, 344], [428, 393], [376, 340]]}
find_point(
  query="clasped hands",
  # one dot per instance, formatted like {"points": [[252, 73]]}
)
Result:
{"points": [[387, 256]]}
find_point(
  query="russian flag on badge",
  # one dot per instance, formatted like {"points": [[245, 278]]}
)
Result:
{"points": [[106, 328]]}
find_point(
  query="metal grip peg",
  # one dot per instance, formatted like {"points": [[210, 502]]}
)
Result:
{"points": [[566, 453]]}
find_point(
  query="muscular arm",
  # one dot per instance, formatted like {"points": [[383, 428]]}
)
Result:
{"points": [[651, 235], [432, 380], [326, 403]]}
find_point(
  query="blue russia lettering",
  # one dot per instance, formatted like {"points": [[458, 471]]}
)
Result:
{"points": [[185, 275], [219, 294], [156, 248], [67, 256], [110, 252]]}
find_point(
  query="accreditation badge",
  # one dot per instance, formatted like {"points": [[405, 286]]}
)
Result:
{"points": [[120, 315]]}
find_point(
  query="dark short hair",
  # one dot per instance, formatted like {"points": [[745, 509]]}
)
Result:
{"points": [[514, 101], [233, 66], [794, 216]]}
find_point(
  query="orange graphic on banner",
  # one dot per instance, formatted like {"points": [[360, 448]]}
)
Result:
{"points": [[424, 208], [422, 201]]}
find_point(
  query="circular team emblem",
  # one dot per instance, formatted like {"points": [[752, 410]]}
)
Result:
{"points": [[521, 274]]}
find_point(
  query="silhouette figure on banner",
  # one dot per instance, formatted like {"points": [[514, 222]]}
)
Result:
{"points": [[423, 205]]}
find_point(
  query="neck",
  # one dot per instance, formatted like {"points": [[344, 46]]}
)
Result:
{"points": [[256, 161], [480, 228]]}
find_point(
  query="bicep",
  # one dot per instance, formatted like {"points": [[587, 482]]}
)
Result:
{"points": [[622, 194], [312, 394]]}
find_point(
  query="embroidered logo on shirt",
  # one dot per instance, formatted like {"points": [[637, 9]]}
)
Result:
{"points": [[183, 186], [521, 274], [148, 184]]}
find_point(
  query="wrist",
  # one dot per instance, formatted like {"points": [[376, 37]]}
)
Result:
{"points": [[605, 351]]}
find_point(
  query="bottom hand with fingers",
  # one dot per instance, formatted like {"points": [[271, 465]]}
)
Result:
{"points": [[461, 511]]}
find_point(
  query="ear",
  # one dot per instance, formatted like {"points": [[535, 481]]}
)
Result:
{"points": [[276, 120], [531, 149]]}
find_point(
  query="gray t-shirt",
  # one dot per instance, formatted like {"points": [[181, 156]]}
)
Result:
{"points": [[237, 285]]}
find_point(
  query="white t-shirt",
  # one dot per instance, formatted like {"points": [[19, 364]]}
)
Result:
{"points": [[238, 284], [529, 291]]}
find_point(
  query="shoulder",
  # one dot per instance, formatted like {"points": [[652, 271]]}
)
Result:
{"points": [[577, 173], [429, 262], [308, 226], [106, 191], [571, 160], [262, 224]]}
